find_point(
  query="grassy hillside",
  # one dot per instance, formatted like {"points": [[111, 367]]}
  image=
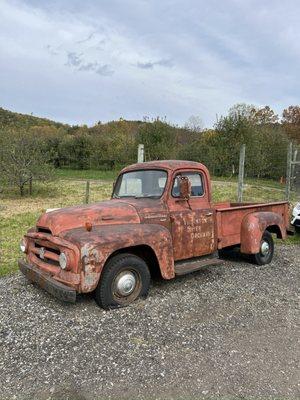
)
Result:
{"points": [[10, 119]]}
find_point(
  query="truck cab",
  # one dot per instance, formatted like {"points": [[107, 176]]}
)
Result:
{"points": [[160, 219], [189, 217]]}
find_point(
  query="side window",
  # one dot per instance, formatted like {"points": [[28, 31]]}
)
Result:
{"points": [[196, 184]]}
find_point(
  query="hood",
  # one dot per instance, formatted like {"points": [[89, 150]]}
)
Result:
{"points": [[103, 213]]}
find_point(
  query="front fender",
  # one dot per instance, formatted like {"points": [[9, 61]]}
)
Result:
{"points": [[103, 241], [253, 227]]}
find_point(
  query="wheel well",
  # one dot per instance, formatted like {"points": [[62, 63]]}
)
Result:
{"points": [[146, 253], [275, 229]]}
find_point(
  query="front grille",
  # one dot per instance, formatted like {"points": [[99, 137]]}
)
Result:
{"points": [[46, 252], [44, 230]]}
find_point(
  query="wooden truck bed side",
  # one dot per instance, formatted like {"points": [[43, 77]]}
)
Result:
{"points": [[229, 217]]}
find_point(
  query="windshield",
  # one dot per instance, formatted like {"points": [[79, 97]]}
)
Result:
{"points": [[142, 183]]}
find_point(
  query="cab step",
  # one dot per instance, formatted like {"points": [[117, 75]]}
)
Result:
{"points": [[194, 264]]}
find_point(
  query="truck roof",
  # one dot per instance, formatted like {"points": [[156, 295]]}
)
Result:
{"points": [[166, 164]]}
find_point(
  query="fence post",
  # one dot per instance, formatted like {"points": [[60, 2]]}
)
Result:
{"points": [[87, 192], [241, 173], [288, 171], [140, 153], [294, 163]]}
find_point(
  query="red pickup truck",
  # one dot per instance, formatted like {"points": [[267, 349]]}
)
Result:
{"points": [[160, 218]]}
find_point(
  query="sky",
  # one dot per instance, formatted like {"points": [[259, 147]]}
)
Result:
{"points": [[84, 61]]}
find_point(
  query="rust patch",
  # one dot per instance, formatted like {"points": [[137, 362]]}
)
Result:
{"points": [[253, 227]]}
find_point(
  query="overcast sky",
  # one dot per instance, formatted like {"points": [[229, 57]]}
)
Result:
{"points": [[81, 61]]}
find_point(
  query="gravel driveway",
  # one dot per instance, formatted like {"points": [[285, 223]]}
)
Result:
{"points": [[226, 331]]}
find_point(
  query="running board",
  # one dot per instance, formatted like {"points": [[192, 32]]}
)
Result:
{"points": [[194, 264]]}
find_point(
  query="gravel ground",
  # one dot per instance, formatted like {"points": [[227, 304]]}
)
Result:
{"points": [[226, 331]]}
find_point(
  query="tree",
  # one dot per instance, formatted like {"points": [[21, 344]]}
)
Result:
{"points": [[264, 116], [23, 159], [160, 140], [232, 131], [291, 122], [194, 124], [241, 110]]}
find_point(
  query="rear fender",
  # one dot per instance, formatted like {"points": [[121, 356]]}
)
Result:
{"points": [[253, 227]]}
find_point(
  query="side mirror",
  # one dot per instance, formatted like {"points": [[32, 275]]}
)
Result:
{"points": [[185, 188]]}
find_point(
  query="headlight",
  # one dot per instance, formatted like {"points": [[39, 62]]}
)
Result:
{"points": [[23, 245], [63, 261]]}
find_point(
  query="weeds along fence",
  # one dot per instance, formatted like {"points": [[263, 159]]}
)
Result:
{"points": [[295, 173], [292, 170], [288, 171]]}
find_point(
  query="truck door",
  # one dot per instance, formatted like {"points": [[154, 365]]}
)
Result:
{"points": [[192, 222]]}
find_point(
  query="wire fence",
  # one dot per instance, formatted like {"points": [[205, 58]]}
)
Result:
{"points": [[296, 172]]}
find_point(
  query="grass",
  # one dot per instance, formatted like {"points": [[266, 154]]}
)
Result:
{"points": [[262, 182], [18, 214], [86, 174]]}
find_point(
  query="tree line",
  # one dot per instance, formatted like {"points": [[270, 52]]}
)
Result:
{"points": [[30, 147]]}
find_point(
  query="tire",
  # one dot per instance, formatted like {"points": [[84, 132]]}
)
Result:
{"points": [[266, 250], [124, 278]]}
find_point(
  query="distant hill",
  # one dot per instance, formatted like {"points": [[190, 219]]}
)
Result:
{"points": [[10, 119], [16, 120]]}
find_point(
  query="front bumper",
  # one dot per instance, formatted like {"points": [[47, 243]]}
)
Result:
{"points": [[45, 281], [296, 221], [296, 215]]}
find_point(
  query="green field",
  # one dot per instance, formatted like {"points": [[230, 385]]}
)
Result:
{"points": [[85, 174], [18, 214]]}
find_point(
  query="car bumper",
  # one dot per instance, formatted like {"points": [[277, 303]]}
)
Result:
{"points": [[45, 281], [296, 221]]}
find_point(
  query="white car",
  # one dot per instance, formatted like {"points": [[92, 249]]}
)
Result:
{"points": [[296, 216]]}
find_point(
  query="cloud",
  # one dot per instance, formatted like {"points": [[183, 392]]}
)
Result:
{"points": [[203, 57], [100, 69], [74, 59], [104, 70], [51, 50], [151, 65], [87, 39]]}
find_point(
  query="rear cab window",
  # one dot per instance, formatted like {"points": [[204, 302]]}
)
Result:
{"points": [[196, 179]]}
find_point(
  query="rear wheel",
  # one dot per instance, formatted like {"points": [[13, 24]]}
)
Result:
{"points": [[266, 251], [125, 278]]}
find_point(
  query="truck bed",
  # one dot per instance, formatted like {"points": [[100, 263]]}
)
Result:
{"points": [[229, 218]]}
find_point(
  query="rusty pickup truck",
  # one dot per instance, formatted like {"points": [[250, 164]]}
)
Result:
{"points": [[160, 219]]}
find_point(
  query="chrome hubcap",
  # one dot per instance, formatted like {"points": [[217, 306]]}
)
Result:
{"points": [[265, 248], [125, 283]]}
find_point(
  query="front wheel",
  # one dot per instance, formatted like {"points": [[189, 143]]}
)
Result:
{"points": [[266, 251], [125, 278]]}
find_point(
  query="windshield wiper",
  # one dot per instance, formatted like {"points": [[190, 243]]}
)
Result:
{"points": [[122, 197], [149, 196]]}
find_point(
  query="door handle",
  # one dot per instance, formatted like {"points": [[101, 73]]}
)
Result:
{"points": [[208, 214]]}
